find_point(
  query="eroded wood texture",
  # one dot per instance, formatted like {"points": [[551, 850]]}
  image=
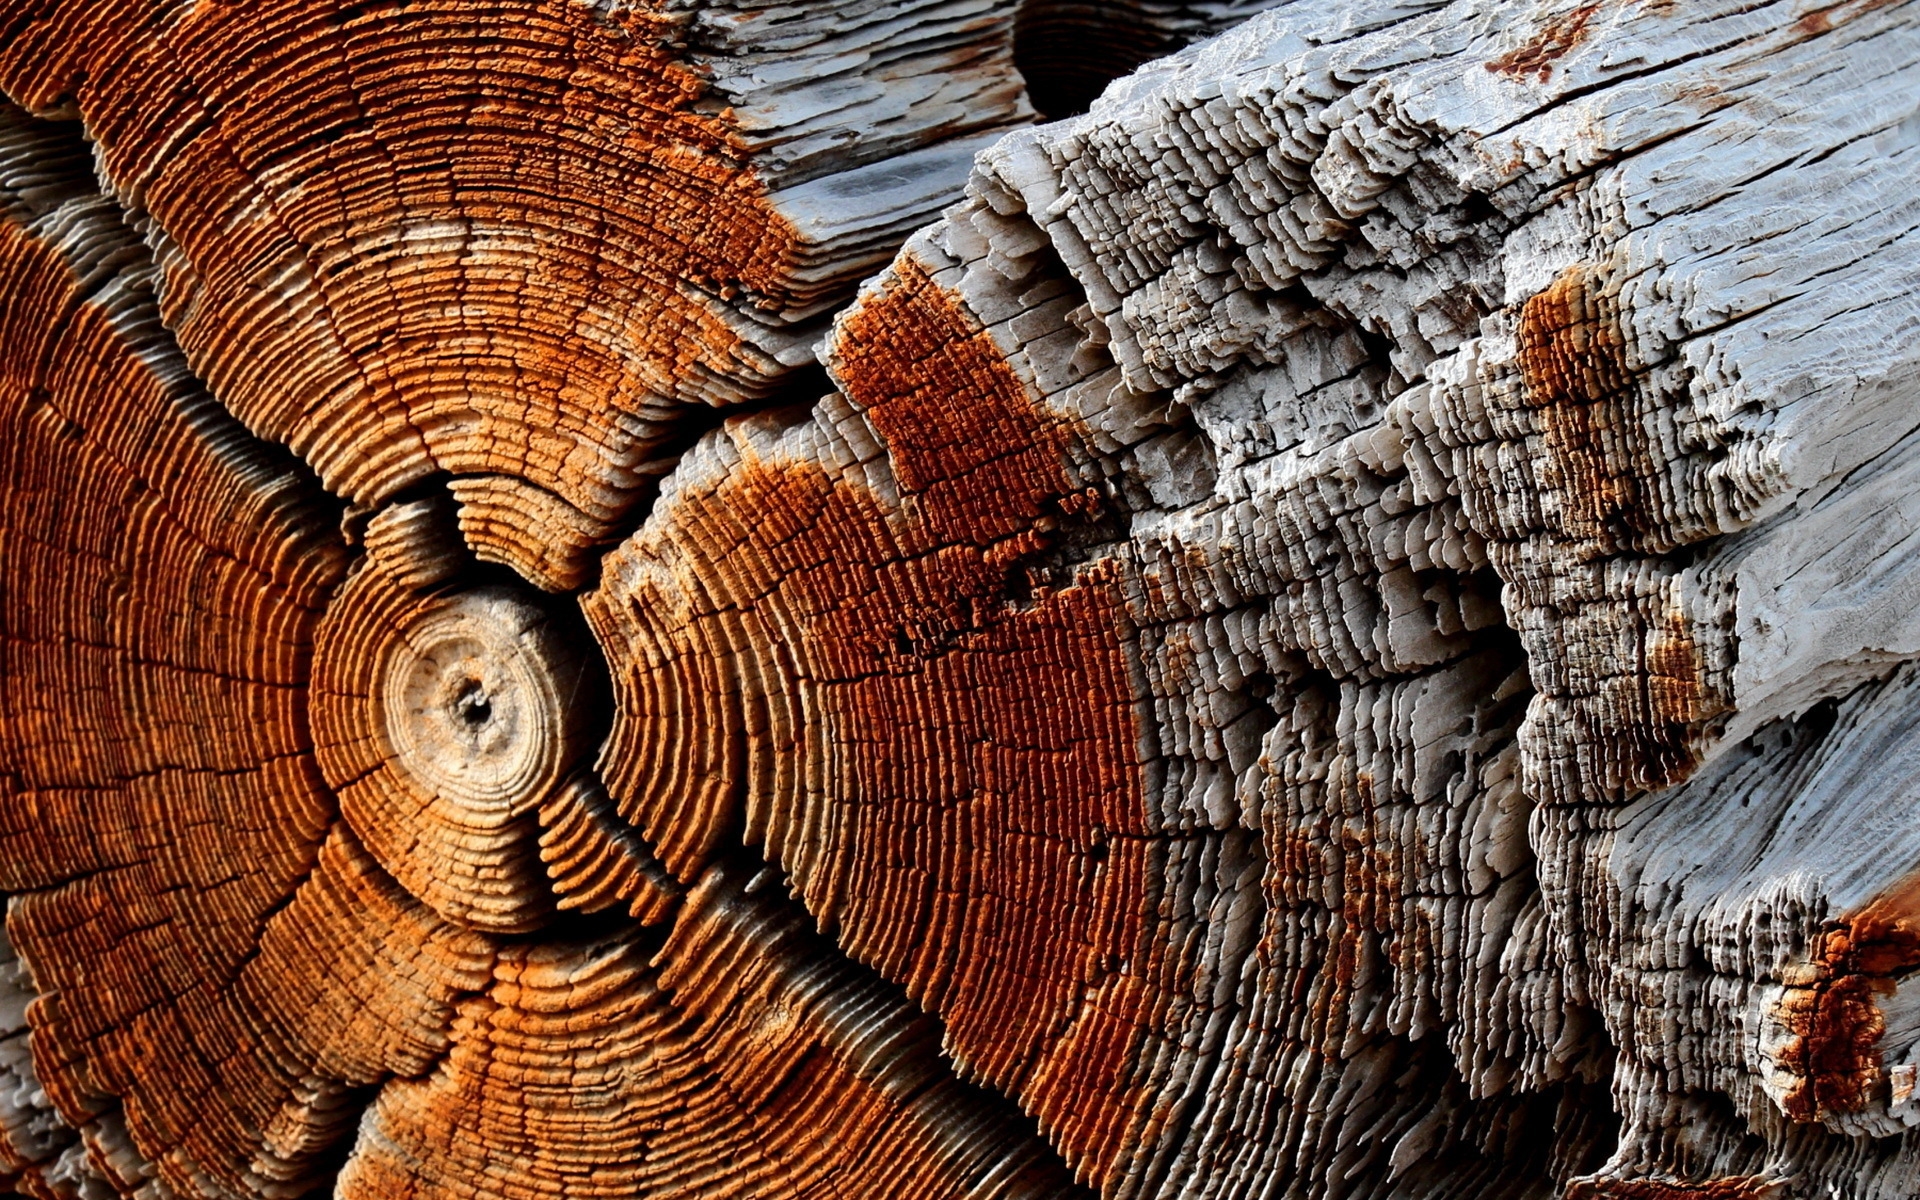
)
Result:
{"points": [[1344, 630], [1419, 433]]}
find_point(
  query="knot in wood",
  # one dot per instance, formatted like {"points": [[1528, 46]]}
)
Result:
{"points": [[474, 697], [443, 719]]}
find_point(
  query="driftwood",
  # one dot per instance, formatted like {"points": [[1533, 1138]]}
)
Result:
{"points": [[1340, 624]]}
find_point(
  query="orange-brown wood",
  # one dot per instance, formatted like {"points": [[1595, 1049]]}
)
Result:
{"points": [[735, 1061], [507, 244], [965, 812]]}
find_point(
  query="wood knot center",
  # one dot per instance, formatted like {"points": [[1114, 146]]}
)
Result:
{"points": [[473, 705], [443, 719], [475, 699]]}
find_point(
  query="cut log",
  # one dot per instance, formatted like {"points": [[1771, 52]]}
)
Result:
{"points": [[1345, 627], [274, 801]]}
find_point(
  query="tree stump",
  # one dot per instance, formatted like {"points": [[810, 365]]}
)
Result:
{"points": [[641, 599]]}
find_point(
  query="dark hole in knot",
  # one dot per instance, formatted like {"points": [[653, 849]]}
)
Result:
{"points": [[472, 704]]}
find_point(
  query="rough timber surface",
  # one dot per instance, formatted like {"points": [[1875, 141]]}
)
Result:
{"points": [[1385, 444], [1346, 626], [276, 925]]}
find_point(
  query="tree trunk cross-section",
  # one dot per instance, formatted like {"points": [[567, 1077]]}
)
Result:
{"points": [[676, 599]]}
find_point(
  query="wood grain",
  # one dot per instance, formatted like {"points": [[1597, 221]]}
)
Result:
{"points": [[608, 599]]}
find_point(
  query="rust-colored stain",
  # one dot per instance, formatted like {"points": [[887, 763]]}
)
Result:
{"points": [[1371, 894], [1705, 93], [1835, 1054], [1673, 702], [1553, 42], [1573, 362], [1825, 20], [1727, 1187], [960, 432]]}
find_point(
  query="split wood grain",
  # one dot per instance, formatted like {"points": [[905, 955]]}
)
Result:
{"points": [[511, 245]]}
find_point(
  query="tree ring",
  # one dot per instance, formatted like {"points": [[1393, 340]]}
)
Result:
{"points": [[475, 702]]}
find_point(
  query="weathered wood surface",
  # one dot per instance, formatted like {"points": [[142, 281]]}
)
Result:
{"points": [[1344, 627]]}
